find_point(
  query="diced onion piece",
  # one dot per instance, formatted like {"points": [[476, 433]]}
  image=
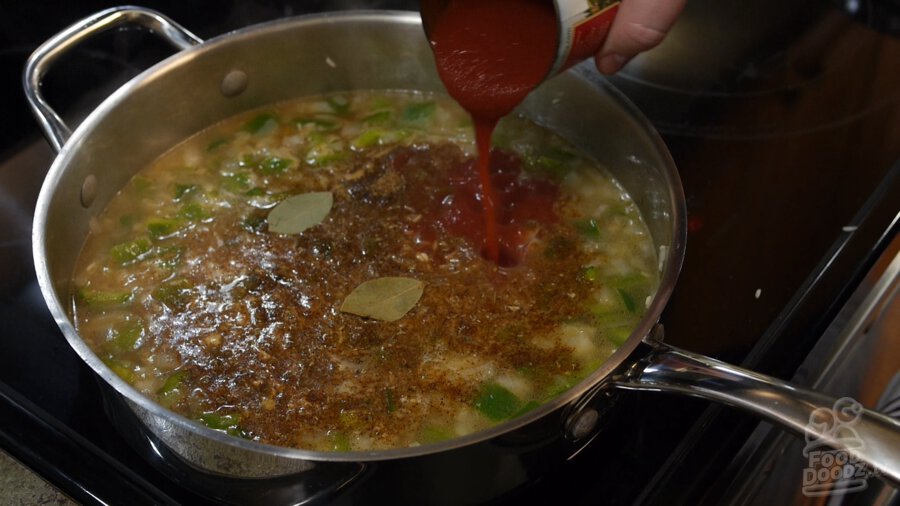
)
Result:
{"points": [[516, 384], [581, 338]]}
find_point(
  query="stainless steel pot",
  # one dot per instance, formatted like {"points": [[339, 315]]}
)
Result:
{"points": [[209, 81]]}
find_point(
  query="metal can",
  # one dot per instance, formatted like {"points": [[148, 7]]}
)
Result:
{"points": [[583, 26]]}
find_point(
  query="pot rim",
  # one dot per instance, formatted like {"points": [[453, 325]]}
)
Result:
{"points": [[673, 259]]}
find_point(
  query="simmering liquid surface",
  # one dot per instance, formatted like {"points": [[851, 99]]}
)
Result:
{"points": [[185, 293]]}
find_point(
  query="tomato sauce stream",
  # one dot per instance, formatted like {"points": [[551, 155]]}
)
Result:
{"points": [[490, 54]]}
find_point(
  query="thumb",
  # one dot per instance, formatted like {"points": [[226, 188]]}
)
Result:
{"points": [[639, 25]]}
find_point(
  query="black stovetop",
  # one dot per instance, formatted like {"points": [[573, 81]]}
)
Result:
{"points": [[784, 121]]}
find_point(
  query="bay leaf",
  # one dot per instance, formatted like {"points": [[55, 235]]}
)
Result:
{"points": [[300, 212], [386, 299]]}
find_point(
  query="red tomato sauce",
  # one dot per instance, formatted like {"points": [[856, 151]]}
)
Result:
{"points": [[490, 54], [450, 199]]}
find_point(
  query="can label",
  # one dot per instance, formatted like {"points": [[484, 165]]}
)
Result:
{"points": [[583, 26]]}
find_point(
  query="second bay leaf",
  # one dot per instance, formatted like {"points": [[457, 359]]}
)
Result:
{"points": [[386, 299]]}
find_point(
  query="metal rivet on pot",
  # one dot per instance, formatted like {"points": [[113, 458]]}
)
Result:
{"points": [[581, 424], [234, 83], [88, 191]]}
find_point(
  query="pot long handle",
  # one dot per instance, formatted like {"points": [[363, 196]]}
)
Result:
{"points": [[842, 424], [55, 129]]}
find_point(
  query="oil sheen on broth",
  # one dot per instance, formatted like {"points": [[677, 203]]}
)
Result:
{"points": [[183, 291]]}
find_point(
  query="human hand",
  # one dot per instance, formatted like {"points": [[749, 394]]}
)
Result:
{"points": [[639, 25]]}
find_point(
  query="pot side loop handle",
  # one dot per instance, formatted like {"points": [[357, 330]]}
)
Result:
{"points": [[54, 128], [824, 422]]}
